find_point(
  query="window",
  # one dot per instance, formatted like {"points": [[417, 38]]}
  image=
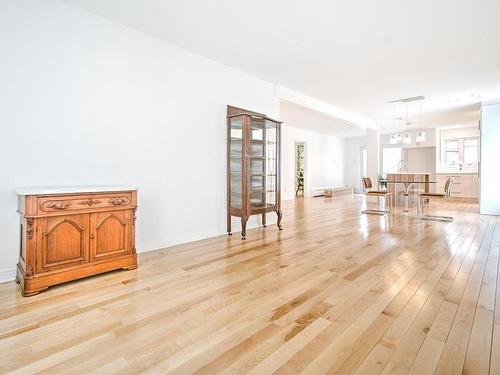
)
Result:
{"points": [[459, 153], [470, 151], [452, 154], [391, 156]]}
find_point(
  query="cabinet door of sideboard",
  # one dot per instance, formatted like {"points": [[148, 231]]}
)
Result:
{"points": [[110, 234], [63, 242]]}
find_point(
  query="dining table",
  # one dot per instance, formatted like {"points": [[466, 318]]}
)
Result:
{"points": [[407, 180]]}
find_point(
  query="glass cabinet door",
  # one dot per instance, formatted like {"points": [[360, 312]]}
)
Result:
{"points": [[262, 163], [256, 162], [271, 155], [236, 160]]}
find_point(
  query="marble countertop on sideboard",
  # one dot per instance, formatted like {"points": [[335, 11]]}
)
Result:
{"points": [[47, 190]]}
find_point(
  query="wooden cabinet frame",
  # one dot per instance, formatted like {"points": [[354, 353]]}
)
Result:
{"points": [[245, 208], [69, 236]]}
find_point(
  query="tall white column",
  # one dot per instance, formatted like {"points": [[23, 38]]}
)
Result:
{"points": [[373, 154], [489, 172]]}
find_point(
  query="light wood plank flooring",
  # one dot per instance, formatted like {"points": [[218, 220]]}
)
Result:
{"points": [[335, 292]]}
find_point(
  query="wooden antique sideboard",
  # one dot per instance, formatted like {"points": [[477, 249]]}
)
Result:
{"points": [[70, 233]]}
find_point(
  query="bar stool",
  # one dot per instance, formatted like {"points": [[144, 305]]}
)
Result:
{"points": [[367, 187], [429, 196]]}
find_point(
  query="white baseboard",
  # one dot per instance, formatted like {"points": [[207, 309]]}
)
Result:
{"points": [[143, 247], [8, 274]]}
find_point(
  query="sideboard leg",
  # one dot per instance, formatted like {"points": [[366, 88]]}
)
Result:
{"points": [[229, 225], [29, 293], [264, 220]]}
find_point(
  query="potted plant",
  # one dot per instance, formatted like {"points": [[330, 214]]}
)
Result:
{"points": [[382, 182]]}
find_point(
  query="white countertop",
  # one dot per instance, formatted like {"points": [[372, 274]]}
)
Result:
{"points": [[47, 190], [423, 173], [456, 172]]}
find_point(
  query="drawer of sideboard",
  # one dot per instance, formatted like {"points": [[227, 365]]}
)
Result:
{"points": [[50, 204]]}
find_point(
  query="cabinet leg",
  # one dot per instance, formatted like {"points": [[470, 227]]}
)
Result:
{"points": [[229, 225], [280, 215], [29, 293], [264, 220], [244, 220]]}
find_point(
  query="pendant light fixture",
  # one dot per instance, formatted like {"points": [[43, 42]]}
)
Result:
{"points": [[403, 135]]}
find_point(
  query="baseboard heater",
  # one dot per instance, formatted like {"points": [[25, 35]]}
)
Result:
{"points": [[336, 191]]}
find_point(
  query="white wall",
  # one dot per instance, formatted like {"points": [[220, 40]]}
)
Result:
{"points": [[373, 154], [420, 159], [353, 162], [490, 156], [88, 101], [324, 160]]}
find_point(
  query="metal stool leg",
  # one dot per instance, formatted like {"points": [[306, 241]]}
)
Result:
{"points": [[423, 216], [378, 212]]}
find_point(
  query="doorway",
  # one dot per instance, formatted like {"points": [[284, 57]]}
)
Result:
{"points": [[300, 169], [363, 170]]}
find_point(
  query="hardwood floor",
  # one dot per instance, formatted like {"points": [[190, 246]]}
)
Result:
{"points": [[335, 292]]}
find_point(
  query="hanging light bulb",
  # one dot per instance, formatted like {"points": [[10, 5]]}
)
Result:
{"points": [[421, 134], [399, 136], [406, 135], [407, 138], [420, 137], [392, 139]]}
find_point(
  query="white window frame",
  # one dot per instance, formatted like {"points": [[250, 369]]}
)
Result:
{"points": [[461, 153], [446, 141], [477, 151], [382, 172]]}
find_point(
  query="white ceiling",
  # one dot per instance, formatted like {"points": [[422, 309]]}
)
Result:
{"points": [[356, 54], [301, 117]]}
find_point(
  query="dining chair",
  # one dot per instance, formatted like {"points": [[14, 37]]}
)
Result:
{"points": [[369, 192], [429, 196]]}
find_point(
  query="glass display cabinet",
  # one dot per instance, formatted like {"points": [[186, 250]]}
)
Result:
{"points": [[253, 166]]}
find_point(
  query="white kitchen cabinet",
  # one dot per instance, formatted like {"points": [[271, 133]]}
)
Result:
{"points": [[465, 185]]}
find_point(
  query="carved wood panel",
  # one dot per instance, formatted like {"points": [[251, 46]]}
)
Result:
{"points": [[110, 234], [83, 202], [64, 242]]}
